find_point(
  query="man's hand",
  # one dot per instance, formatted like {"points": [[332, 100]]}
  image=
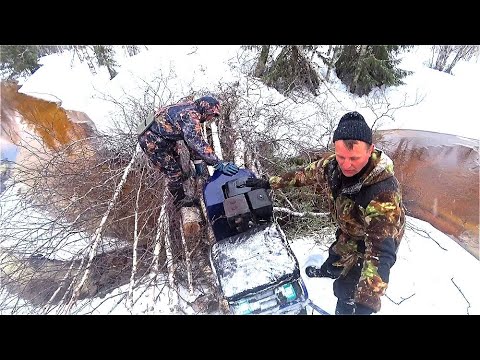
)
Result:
{"points": [[257, 183], [227, 168]]}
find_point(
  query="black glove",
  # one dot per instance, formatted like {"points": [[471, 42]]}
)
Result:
{"points": [[257, 183], [361, 309], [313, 271], [199, 168]]}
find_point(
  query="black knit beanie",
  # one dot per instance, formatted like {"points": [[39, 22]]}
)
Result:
{"points": [[352, 126]]}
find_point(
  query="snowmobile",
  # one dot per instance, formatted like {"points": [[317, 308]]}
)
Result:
{"points": [[256, 270]]}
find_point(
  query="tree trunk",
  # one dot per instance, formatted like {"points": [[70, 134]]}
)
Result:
{"points": [[444, 53], [131, 49], [462, 53], [83, 55], [358, 68], [333, 59], [111, 71], [262, 61]]}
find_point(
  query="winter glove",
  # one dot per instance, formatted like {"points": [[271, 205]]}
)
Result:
{"points": [[257, 183], [362, 309], [227, 168], [313, 271]]}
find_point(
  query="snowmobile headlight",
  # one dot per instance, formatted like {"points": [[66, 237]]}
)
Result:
{"points": [[242, 308], [288, 291]]}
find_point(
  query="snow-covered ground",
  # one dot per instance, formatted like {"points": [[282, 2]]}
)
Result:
{"points": [[431, 276]]}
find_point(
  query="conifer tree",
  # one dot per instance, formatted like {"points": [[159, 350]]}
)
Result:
{"points": [[18, 60], [364, 67], [291, 70], [105, 57]]}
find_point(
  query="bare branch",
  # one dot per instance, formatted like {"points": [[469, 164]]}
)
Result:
{"points": [[461, 292], [99, 230], [403, 299], [135, 245], [300, 214], [423, 233]]}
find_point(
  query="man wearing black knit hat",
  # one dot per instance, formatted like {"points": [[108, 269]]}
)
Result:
{"points": [[365, 201]]}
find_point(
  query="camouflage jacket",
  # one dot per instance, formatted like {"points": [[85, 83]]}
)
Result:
{"points": [[182, 121], [369, 211]]}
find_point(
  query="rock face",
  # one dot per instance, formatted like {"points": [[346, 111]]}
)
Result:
{"points": [[47, 120], [439, 174], [34, 128]]}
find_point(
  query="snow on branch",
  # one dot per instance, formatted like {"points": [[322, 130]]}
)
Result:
{"points": [[135, 245], [300, 214]]}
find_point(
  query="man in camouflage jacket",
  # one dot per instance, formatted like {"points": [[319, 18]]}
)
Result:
{"points": [[158, 136], [366, 203]]}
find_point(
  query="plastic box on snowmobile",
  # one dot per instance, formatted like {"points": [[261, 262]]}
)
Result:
{"points": [[255, 267]]}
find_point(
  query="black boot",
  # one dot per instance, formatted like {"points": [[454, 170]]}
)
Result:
{"points": [[345, 307], [182, 200]]}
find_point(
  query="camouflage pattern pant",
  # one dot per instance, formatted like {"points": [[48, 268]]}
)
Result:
{"points": [[163, 154], [345, 285], [344, 289]]}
